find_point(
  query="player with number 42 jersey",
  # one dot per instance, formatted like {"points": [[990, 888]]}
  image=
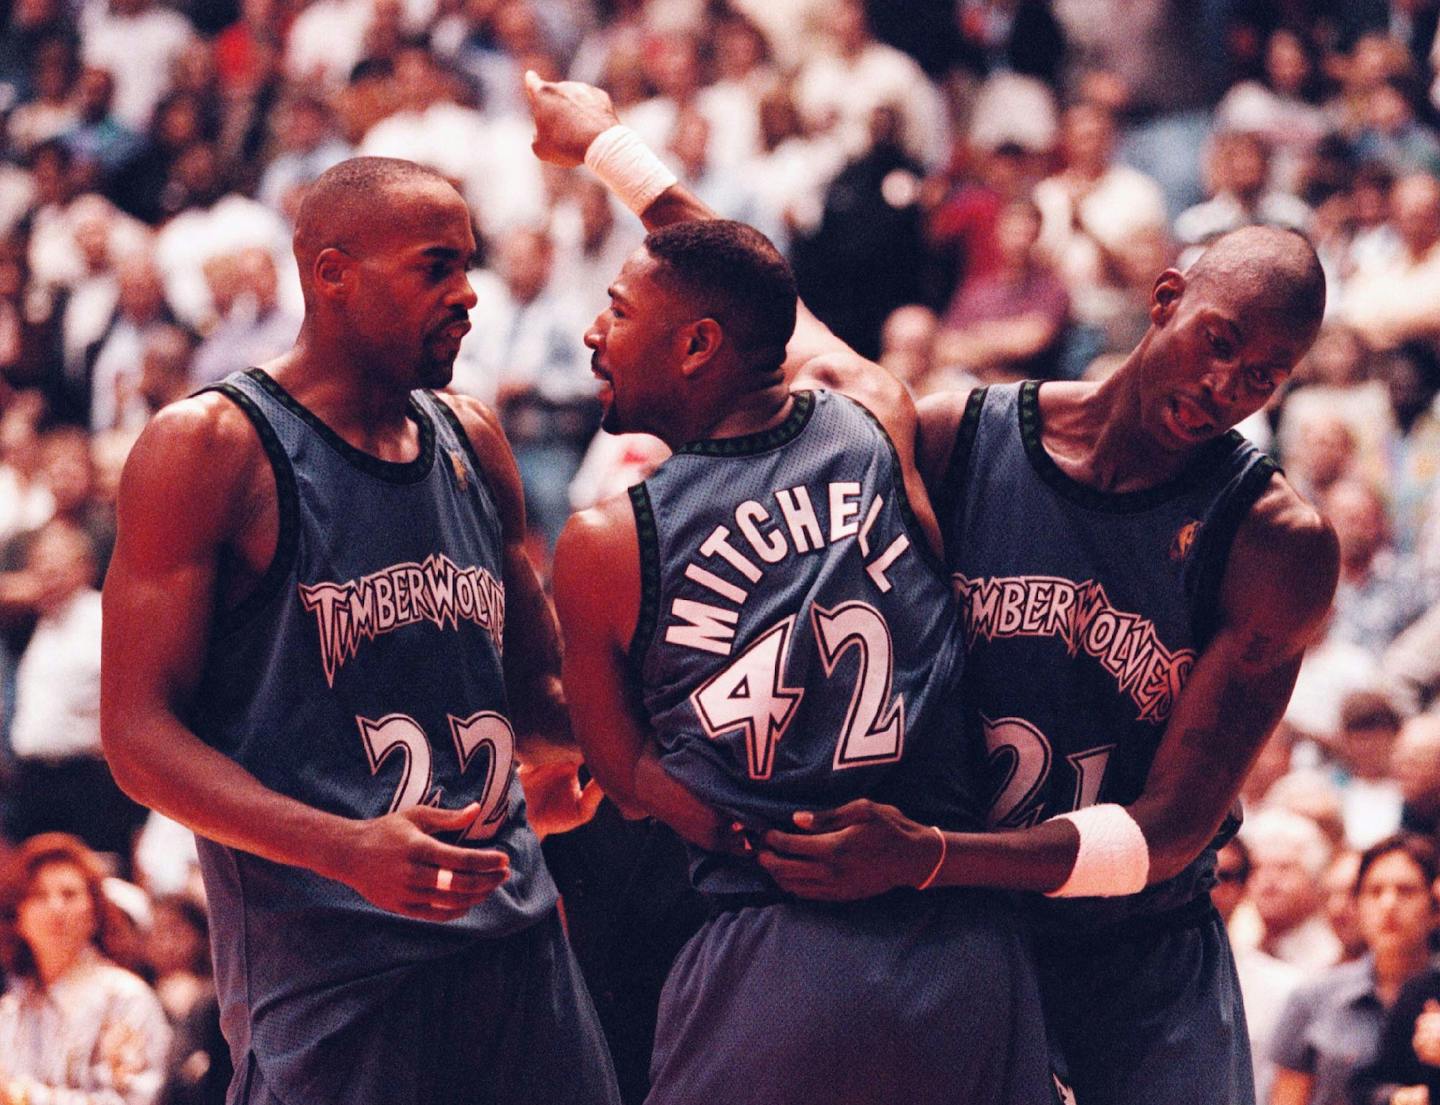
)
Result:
{"points": [[794, 633]]}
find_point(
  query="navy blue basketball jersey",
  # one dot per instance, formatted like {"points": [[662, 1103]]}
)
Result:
{"points": [[1082, 613], [362, 677], [795, 633]]}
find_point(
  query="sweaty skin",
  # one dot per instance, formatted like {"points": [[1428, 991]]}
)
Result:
{"points": [[402, 271]]}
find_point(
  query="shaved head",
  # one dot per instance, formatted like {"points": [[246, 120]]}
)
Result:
{"points": [[358, 202], [1267, 270]]}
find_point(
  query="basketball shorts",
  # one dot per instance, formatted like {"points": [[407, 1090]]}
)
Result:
{"points": [[1148, 1010], [927, 999], [505, 1022]]}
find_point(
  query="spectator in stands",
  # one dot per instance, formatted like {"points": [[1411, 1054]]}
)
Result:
{"points": [[1380, 593], [1239, 170], [101, 145], [138, 42], [1332, 1025], [1320, 454], [164, 369], [1092, 210], [1009, 325], [1396, 298], [1340, 912], [852, 75], [61, 779], [1370, 798], [1265, 982], [1391, 134], [113, 359], [255, 325], [53, 110], [1281, 106], [307, 144], [1416, 767], [1410, 457], [73, 1025], [1289, 855]]}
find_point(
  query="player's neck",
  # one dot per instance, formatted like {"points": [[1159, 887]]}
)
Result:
{"points": [[750, 413], [1096, 436], [367, 410]]}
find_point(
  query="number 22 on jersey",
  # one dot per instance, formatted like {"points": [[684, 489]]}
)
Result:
{"points": [[400, 734], [749, 694]]}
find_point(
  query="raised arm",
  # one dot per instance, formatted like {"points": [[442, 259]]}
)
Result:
{"points": [[1277, 588], [570, 117], [196, 483]]}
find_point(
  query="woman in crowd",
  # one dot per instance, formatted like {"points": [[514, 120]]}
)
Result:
{"points": [[1332, 1025], [75, 1029]]}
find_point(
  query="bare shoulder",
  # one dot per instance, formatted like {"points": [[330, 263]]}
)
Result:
{"points": [[1285, 561], [937, 422], [492, 450], [597, 571], [863, 380], [201, 450]]}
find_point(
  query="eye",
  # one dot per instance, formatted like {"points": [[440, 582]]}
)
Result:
{"points": [[1223, 349], [1259, 380]]}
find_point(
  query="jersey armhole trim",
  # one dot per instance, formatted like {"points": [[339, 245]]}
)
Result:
{"points": [[1215, 552], [648, 620], [447, 412], [287, 498], [918, 540], [957, 472]]}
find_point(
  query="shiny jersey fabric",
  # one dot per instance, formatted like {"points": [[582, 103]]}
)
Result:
{"points": [[1082, 614], [795, 636], [363, 676]]}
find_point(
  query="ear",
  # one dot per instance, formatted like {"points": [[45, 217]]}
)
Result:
{"points": [[1165, 298], [703, 339], [333, 272]]}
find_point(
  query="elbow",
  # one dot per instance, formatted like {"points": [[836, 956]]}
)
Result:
{"points": [[1172, 848], [117, 742]]}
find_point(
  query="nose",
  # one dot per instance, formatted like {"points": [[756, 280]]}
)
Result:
{"points": [[468, 298], [595, 333]]}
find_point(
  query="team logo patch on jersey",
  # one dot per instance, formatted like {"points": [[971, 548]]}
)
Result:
{"points": [[1184, 540], [457, 464], [1081, 616], [437, 591]]}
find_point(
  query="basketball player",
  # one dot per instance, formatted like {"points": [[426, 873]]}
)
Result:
{"points": [[323, 650], [1137, 585], [759, 627]]}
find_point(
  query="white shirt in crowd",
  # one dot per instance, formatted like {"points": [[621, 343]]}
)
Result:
{"points": [[57, 684]]}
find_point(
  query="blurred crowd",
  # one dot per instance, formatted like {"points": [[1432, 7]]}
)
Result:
{"points": [[971, 191]]}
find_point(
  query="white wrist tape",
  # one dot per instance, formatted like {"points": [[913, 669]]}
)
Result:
{"points": [[628, 167], [1113, 858]]}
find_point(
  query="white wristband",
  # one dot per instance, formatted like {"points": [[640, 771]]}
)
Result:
{"points": [[1113, 858], [628, 167]]}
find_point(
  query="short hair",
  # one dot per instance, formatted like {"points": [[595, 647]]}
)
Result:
{"points": [[734, 274], [1420, 851], [17, 879], [1368, 710], [1267, 267], [343, 197]]}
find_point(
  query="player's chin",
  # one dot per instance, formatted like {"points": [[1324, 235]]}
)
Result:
{"points": [[437, 372]]}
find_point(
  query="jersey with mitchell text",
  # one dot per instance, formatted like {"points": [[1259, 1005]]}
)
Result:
{"points": [[1081, 615], [363, 677], [796, 635]]}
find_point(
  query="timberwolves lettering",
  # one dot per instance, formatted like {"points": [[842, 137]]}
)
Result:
{"points": [[1082, 616], [437, 591]]}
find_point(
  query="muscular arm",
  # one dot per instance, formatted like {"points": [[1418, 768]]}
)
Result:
{"points": [[569, 116], [597, 594], [158, 606], [532, 638], [1277, 588]]}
